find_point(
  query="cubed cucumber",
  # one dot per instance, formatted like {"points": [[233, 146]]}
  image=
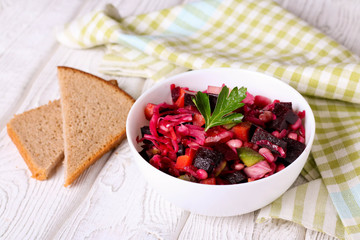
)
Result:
{"points": [[187, 178], [249, 156]]}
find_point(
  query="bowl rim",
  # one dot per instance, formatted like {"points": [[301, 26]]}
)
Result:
{"points": [[309, 117]]}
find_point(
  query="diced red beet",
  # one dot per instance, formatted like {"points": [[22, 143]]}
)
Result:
{"points": [[284, 111], [271, 106], [144, 155], [235, 177], [207, 159], [261, 134], [282, 122], [166, 111], [213, 100], [145, 130], [294, 149], [175, 93], [181, 150], [226, 151], [291, 117], [188, 100], [280, 108], [286, 104], [279, 123]]}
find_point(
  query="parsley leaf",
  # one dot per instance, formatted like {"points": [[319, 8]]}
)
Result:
{"points": [[225, 105]]}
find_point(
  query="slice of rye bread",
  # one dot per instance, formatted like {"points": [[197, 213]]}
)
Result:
{"points": [[37, 134], [94, 116]]}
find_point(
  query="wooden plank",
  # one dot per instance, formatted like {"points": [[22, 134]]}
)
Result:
{"points": [[201, 227], [120, 203], [278, 229], [110, 199], [27, 39]]}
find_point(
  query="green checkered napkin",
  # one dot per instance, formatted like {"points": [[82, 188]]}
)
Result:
{"points": [[261, 36]]}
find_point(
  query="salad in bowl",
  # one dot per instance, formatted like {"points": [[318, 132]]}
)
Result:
{"points": [[220, 142], [218, 136]]}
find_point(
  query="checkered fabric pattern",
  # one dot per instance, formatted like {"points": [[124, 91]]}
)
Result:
{"points": [[257, 35]]}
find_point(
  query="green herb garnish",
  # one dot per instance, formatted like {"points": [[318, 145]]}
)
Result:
{"points": [[225, 105]]}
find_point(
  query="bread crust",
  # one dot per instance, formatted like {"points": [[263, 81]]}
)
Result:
{"points": [[114, 143], [107, 82], [37, 173]]}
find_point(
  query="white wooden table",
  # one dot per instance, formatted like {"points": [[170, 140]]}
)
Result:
{"points": [[111, 200]]}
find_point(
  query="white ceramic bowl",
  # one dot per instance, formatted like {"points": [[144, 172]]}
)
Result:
{"points": [[220, 200]]}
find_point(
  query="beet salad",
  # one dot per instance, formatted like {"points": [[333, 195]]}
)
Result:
{"points": [[221, 135]]}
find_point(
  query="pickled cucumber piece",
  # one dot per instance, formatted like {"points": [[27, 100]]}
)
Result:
{"points": [[249, 156]]}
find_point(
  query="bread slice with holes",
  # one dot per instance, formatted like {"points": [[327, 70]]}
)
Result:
{"points": [[37, 134], [94, 116]]}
